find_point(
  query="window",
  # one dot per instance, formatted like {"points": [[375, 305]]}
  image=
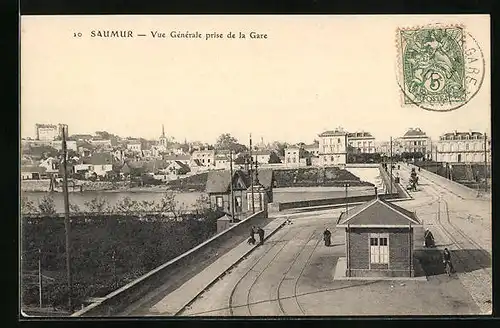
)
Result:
{"points": [[237, 203], [219, 201], [338, 140], [331, 158], [379, 248], [466, 146]]}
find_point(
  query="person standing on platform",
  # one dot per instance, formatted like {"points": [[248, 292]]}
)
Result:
{"points": [[260, 231], [327, 235]]}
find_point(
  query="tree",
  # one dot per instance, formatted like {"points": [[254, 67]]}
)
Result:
{"points": [[126, 205], [274, 158], [280, 147], [97, 205], [28, 206], [227, 142], [46, 206], [169, 204], [202, 204]]}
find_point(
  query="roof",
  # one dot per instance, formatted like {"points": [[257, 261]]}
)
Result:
{"points": [[183, 166], [313, 145], [41, 125], [463, 134], [379, 213], [177, 157], [416, 132], [196, 162], [361, 134], [218, 181], [332, 133], [260, 153], [99, 159]]}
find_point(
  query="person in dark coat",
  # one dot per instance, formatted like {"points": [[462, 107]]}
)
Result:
{"points": [[251, 240], [260, 232], [327, 235]]}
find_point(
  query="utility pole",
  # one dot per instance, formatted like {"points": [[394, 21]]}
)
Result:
{"points": [[67, 223], [251, 174], [391, 166], [485, 163], [231, 183], [346, 200], [40, 276]]}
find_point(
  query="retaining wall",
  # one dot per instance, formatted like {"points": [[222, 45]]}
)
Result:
{"points": [[119, 300], [452, 186]]}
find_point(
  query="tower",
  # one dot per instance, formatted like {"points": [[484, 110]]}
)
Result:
{"points": [[163, 139]]}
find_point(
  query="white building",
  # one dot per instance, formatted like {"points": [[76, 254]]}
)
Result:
{"points": [[292, 156], [463, 147], [134, 147], [206, 157], [416, 141], [362, 141], [70, 145], [312, 149], [46, 131], [333, 147], [261, 156]]}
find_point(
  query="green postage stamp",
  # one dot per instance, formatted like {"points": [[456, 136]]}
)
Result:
{"points": [[440, 67]]}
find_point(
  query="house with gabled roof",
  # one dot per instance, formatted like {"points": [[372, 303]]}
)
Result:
{"points": [[218, 188], [379, 240]]}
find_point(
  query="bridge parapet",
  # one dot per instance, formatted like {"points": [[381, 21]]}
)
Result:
{"points": [[117, 301]]}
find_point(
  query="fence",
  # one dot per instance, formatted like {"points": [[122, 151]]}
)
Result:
{"points": [[117, 301]]}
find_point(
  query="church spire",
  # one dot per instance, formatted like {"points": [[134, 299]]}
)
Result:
{"points": [[163, 131]]}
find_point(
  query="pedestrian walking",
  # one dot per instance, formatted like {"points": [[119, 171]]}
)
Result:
{"points": [[260, 232], [327, 235]]}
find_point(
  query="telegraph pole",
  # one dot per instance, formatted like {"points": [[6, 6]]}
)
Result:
{"points": [[485, 163], [251, 174], [231, 184], [67, 223], [40, 276], [391, 166], [346, 200]]}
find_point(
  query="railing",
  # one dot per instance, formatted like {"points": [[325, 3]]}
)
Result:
{"points": [[118, 300]]}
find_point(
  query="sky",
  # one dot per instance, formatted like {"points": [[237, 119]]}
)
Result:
{"points": [[311, 74]]}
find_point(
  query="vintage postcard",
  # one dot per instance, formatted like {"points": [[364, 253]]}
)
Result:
{"points": [[196, 166]]}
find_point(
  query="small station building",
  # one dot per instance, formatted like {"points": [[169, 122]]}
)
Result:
{"points": [[380, 240]]}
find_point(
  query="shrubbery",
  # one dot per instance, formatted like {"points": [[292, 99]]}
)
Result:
{"points": [[108, 251]]}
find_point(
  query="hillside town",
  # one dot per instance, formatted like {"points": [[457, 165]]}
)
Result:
{"points": [[103, 156]]}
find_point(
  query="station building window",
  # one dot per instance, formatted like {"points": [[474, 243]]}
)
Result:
{"points": [[379, 248]]}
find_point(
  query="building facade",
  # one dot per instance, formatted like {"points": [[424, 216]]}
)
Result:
{"points": [[333, 148], [380, 240], [134, 147], [463, 147], [362, 141], [206, 157], [416, 141], [292, 156]]}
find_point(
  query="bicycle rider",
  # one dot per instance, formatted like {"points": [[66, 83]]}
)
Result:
{"points": [[447, 258]]}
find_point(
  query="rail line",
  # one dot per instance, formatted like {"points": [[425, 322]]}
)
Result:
{"points": [[278, 299], [231, 296]]}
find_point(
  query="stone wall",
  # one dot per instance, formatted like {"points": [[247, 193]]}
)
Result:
{"points": [[119, 300], [35, 185]]}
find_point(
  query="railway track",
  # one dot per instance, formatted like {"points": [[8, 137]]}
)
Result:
{"points": [[279, 248], [296, 279]]}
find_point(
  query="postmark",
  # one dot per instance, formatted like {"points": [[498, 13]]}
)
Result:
{"points": [[439, 67]]}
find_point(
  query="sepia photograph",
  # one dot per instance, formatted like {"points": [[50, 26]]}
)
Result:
{"points": [[249, 166]]}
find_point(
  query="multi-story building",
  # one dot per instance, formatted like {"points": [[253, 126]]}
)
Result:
{"points": [[333, 147], [49, 131], [134, 147], [313, 148], [206, 157], [466, 147], [416, 141], [362, 141], [292, 156], [384, 147]]}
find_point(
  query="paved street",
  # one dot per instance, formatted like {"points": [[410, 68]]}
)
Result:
{"points": [[292, 274]]}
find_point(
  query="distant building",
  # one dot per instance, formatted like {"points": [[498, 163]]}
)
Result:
{"points": [[261, 156], [362, 141], [163, 141], [222, 162], [99, 163], [384, 147], [102, 143], [70, 145], [206, 157], [48, 131], [333, 147], [463, 147], [186, 159], [415, 141], [312, 149], [292, 156], [135, 147]]}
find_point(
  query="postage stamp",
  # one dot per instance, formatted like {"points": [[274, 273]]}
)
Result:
{"points": [[440, 68]]}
